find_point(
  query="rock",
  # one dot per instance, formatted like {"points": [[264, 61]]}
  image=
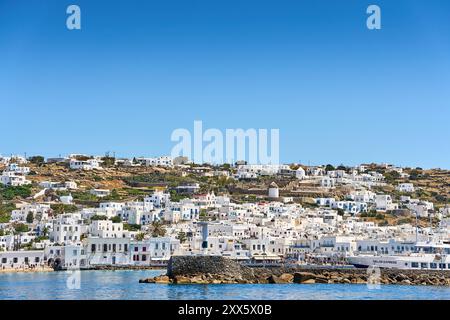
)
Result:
{"points": [[148, 280], [283, 279], [406, 282], [400, 277], [300, 277], [198, 280], [181, 280], [347, 281], [309, 281], [321, 280], [162, 280], [242, 281], [287, 277]]}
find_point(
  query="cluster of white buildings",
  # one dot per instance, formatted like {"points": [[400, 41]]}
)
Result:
{"points": [[15, 175], [271, 230], [326, 179]]}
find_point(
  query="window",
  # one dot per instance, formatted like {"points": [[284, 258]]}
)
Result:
{"points": [[105, 247], [424, 265], [414, 264], [4, 260], [442, 266], [136, 249], [433, 265], [92, 247]]}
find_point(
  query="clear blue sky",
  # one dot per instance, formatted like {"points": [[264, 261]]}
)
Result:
{"points": [[338, 92]]}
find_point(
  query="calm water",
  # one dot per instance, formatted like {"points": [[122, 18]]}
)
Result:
{"points": [[125, 285]]}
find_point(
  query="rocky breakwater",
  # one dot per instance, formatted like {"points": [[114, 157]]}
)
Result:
{"points": [[204, 270], [219, 270]]}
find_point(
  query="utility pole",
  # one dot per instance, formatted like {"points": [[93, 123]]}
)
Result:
{"points": [[417, 229]]}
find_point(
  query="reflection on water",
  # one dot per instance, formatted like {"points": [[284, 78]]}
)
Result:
{"points": [[121, 285]]}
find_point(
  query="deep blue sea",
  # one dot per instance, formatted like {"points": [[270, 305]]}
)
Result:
{"points": [[112, 285]]}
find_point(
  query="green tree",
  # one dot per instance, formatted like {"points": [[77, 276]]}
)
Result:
{"points": [[20, 228], [37, 160], [30, 217], [182, 236], [108, 161], [329, 167], [131, 227], [98, 217], [116, 219], [140, 236], [157, 229]]}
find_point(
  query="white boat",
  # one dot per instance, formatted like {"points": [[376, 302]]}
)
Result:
{"points": [[426, 256]]}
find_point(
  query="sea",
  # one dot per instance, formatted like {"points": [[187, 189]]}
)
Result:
{"points": [[124, 285]]}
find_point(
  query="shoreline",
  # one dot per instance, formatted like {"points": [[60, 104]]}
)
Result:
{"points": [[96, 268], [311, 276], [219, 270], [26, 270]]}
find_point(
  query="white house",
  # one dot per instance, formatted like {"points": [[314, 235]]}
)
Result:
{"points": [[89, 164], [20, 260], [108, 251], [106, 229], [14, 167], [405, 187], [67, 229], [153, 250], [100, 192], [158, 199], [163, 161], [384, 202], [11, 178]]}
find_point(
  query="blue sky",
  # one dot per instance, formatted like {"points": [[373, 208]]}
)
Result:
{"points": [[338, 92]]}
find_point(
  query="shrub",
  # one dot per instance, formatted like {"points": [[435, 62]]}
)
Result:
{"points": [[60, 208], [98, 217], [10, 192]]}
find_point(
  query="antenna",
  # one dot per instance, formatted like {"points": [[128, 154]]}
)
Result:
{"points": [[417, 229]]}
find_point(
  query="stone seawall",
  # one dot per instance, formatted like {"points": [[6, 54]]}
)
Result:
{"points": [[219, 270]]}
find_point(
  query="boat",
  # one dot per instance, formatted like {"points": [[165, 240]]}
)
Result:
{"points": [[425, 256]]}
